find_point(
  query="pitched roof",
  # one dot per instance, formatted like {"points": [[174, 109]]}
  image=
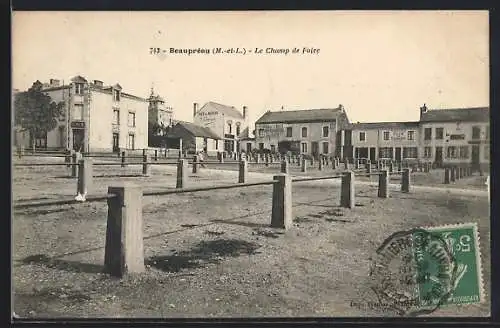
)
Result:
{"points": [[309, 115], [195, 130], [472, 114], [383, 125], [224, 109], [79, 78]]}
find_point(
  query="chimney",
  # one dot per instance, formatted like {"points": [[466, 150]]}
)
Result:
{"points": [[423, 110], [195, 109], [341, 107], [98, 83], [245, 112], [54, 83]]}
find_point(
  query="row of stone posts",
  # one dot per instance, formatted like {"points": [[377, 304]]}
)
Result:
{"points": [[454, 173]]}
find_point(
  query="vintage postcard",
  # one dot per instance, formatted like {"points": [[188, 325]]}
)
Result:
{"points": [[250, 164]]}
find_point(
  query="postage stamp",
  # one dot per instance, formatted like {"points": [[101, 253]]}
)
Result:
{"points": [[417, 271]]}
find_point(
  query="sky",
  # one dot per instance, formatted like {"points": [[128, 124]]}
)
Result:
{"points": [[380, 65]]}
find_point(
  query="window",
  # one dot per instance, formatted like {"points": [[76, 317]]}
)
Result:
{"points": [[326, 129], [476, 132], [362, 136], [463, 152], [273, 148], [77, 112], [325, 147], [439, 133], [289, 132], [237, 130], [451, 152], [386, 135], [487, 133], [304, 132], [410, 152], [116, 95], [261, 145], [131, 141], [304, 147], [427, 133], [116, 116], [230, 128], [216, 144], [385, 152], [411, 135], [427, 152], [261, 133], [79, 88], [131, 119], [487, 152]]}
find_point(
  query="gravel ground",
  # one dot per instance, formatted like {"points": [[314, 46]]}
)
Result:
{"points": [[212, 254]]}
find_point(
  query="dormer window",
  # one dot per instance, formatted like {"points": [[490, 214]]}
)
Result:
{"points": [[79, 88], [116, 95]]}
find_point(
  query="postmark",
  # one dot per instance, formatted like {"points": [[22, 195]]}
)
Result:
{"points": [[417, 271]]}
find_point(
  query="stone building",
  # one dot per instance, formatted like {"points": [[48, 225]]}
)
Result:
{"points": [[97, 118], [386, 140], [459, 136], [193, 138], [225, 121], [159, 114], [311, 132]]}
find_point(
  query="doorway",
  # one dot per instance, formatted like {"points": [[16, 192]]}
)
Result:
{"points": [[439, 156], [398, 154], [314, 149], [249, 147], [372, 154], [116, 142], [78, 139], [475, 156]]}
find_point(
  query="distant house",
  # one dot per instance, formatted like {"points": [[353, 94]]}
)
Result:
{"points": [[226, 121], [385, 140], [247, 141], [312, 132], [195, 138], [458, 136]]}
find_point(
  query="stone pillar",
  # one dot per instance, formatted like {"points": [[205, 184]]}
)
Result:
{"points": [[383, 184], [68, 157], [452, 174], [146, 167], [405, 180], [180, 148], [156, 154], [285, 167], [334, 164], [123, 158], [368, 169], [391, 167], [446, 176], [267, 159], [304, 165], [195, 164], [181, 173], [124, 250], [281, 216], [347, 190], [85, 174], [320, 164], [400, 167], [243, 171], [356, 163], [346, 164], [221, 157]]}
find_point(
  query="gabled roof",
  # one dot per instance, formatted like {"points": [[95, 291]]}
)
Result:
{"points": [[194, 129], [308, 115], [472, 114], [383, 125], [224, 109], [79, 78]]}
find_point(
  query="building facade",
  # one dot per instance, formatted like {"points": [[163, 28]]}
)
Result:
{"points": [[309, 132], [456, 136], [159, 114], [386, 140], [225, 121], [96, 118]]}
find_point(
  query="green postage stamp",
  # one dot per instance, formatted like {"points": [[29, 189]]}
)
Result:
{"points": [[417, 271]]}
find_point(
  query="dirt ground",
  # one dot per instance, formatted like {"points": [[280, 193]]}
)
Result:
{"points": [[212, 253]]}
